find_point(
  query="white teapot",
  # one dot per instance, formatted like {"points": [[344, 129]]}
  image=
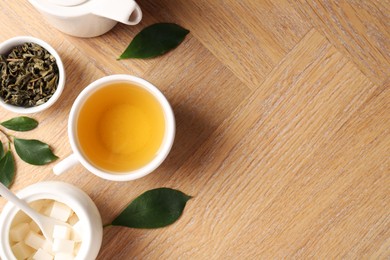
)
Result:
{"points": [[88, 18]]}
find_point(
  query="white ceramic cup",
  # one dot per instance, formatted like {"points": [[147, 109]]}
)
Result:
{"points": [[71, 196], [78, 157]]}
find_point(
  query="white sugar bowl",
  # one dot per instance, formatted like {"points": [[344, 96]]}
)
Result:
{"points": [[61, 193], [88, 18]]}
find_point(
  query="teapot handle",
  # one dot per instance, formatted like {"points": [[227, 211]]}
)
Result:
{"points": [[124, 11]]}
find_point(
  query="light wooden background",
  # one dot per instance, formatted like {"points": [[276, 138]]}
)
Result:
{"points": [[283, 117]]}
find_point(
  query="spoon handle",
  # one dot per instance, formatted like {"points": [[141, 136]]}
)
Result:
{"points": [[21, 204]]}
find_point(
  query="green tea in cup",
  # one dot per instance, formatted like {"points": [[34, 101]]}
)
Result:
{"points": [[120, 128]]}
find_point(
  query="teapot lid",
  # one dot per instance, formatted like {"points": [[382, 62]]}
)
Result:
{"points": [[67, 2], [64, 8]]}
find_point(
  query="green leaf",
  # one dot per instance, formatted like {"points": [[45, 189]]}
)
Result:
{"points": [[153, 209], [7, 169], [34, 151], [1, 150], [155, 40], [21, 123]]}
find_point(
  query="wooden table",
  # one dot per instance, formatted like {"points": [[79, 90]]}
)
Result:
{"points": [[283, 117]]}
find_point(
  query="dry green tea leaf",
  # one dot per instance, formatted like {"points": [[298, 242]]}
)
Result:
{"points": [[28, 75]]}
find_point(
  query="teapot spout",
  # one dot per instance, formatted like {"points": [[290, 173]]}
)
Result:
{"points": [[124, 11]]}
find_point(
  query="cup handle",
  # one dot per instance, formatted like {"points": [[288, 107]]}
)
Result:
{"points": [[65, 164], [124, 11]]}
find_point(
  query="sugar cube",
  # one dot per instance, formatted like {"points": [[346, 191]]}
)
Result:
{"points": [[47, 246], [18, 232], [63, 246], [46, 210], [37, 205], [76, 236], [22, 251], [73, 219], [61, 232], [60, 211], [20, 217], [34, 240], [42, 255], [77, 232], [34, 227], [76, 248]]}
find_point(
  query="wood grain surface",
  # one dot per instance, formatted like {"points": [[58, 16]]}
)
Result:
{"points": [[283, 118]]}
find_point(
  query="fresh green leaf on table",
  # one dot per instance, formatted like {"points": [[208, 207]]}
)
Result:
{"points": [[153, 209], [7, 169], [21, 123], [1, 150], [34, 151], [155, 40]]}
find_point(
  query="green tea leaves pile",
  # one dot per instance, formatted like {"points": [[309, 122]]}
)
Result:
{"points": [[155, 40], [153, 209], [28, 75], [31, 151]]}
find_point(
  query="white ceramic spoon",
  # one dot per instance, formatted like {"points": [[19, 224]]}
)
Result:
{"points": [[46, 224]]}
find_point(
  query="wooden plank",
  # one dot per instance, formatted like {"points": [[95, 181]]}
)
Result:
{"points": [[359, 29], [244, 35]]}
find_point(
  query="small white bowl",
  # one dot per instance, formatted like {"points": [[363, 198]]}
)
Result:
{"points": [[7, 46], [71, 196]]}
